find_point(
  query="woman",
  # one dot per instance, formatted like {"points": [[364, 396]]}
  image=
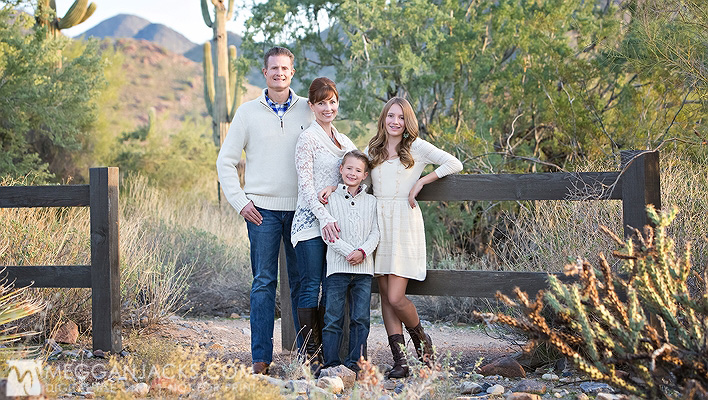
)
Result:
{"points": [[318, 154], [398, 158]]}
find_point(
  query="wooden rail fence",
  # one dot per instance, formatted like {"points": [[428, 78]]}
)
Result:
{"points": [[636, 185], [103, 275]]}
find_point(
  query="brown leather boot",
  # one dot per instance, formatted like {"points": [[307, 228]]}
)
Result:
{"points": [[423, 344], [312, 337], [400, 366], [260, 368]]}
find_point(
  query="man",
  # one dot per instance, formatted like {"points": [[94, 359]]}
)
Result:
{"points": [[266, 129]]}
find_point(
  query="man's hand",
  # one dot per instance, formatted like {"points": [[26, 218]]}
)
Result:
{"points": [[330, 232], [355, 257], [251, 214]]}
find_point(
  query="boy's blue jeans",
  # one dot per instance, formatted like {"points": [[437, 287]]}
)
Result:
{"points": [[265, 246], [358, 287]]}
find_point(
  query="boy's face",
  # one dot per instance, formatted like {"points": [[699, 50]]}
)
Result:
{"points": [[353, 171]]}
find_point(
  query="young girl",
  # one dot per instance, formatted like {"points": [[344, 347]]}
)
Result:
{"points": [[398, 157]]}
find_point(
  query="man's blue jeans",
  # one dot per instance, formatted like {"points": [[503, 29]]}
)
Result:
{"points": [[265, 246], [358, 287], [312, 267]]}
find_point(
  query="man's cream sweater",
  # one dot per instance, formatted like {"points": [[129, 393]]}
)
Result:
{"points": [[269, 146]]}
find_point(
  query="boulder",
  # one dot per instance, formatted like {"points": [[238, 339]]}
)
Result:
{"points": [[504, 366], [523, 396], [67, 333], [348, 376], [530, 386]]}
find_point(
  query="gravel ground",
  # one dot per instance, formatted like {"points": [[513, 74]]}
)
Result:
{"points": [[229, 338]]}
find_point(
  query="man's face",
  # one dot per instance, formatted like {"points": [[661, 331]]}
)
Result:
{"points": [[279, 73]]}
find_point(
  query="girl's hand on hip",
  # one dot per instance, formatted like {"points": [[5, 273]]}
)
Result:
{"points": [[324, 194], [330, 232], [414, 192]]}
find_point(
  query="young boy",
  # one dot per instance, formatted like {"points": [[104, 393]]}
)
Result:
{"points": [[350, 264]]}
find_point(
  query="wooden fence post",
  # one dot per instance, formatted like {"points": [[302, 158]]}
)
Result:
{"points": [[105, 261], [287, 324], [641, 186]]}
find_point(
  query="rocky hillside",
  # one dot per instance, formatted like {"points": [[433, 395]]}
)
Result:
{"points": [[156, 77]]}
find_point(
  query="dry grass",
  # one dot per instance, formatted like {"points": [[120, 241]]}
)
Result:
{"points": [[174, 255]]}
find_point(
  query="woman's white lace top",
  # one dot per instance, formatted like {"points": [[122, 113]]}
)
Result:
{"points": [[317, 161]]}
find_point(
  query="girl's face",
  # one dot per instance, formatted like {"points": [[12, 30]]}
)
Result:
{"points": [[395, 125], [325, 110]]}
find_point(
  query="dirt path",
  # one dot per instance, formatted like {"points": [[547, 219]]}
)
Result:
{"points": [[230, 339]]}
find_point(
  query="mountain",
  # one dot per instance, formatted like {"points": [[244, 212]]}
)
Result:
{"points": [[120, 26], [196, 53], [166, 37], [125, 26]]}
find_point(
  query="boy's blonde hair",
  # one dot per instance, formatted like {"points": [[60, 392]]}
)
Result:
{"points": [[359, 155]]}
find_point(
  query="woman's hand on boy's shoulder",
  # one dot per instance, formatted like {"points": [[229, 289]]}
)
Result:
{"points": [[324, 194]]}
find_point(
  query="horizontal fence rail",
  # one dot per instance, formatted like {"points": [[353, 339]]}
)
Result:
{"points": [[637, 185], [103, 275], [44, 196], [513, 187]]}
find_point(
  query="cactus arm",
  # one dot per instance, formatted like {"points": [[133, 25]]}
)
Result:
{"points": [[152, 122], [89, 12], [234, 83], [230, 10], [208, 79], [205, 14], [74, 15], [52, 4]]}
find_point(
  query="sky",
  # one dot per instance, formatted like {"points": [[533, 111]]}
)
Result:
{"points": [[184, 16]]}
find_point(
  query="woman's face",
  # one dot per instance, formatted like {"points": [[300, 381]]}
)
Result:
{"points": [[325, 110], [395, 125]]}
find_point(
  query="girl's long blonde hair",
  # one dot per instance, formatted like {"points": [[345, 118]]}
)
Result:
{"points": [[377, 144]]}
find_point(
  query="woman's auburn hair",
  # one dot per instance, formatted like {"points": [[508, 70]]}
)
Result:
{"points": [[377, 144], [322, 88]]}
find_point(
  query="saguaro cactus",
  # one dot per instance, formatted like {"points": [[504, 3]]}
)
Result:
{"points": [[221, 88], [46, 15]]}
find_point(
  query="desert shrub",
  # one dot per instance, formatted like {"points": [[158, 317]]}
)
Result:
{"points": [[653, 343], [200, 236]]}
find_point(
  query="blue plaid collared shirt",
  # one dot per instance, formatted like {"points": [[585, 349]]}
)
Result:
{"points": [[279, 109]]}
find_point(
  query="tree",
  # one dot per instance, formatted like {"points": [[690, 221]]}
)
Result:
{"points": [[44, 111], [509, 85]]}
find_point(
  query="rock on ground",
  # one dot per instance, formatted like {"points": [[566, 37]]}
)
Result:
{"points": [[67, 333]]}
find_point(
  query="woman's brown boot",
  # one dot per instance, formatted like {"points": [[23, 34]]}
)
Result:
{"points": [[400, 366], [422, 342]]}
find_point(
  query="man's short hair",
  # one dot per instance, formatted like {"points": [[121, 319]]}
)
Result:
{"points": [[278, 51]]}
